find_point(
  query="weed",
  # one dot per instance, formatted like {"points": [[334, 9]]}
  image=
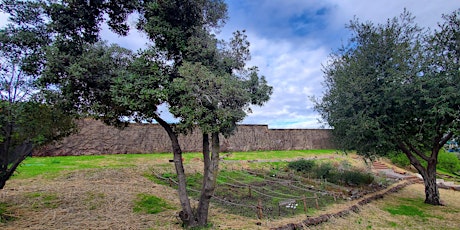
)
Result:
{"points": [[150, 204], [43, 200], [4, 215]]}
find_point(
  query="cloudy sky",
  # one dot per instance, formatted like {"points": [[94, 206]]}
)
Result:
{"points": [[291, 39]]}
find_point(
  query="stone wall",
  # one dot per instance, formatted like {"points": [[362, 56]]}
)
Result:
{"points": [[96, 138]]}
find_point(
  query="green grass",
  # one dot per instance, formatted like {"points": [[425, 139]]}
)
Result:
{"points": [[269, 155], [409, 207], [150, 204], [51, 167], [4, 215], [43, 200]]}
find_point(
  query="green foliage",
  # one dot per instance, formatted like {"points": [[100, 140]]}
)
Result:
{"points": [[302, 165], [26, 121], [383, 91], [449, 162], [324, 170], [150, 204], [399, 159], [355, 177], [395, 87]]}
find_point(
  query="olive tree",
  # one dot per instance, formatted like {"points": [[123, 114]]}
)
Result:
{"points": [[115, 85], [395, 87]]}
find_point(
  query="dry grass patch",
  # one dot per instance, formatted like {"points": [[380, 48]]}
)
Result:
{"points": [[396, 211]]}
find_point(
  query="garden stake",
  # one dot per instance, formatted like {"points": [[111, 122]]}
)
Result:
{"points": [[304, 203], [316, 199], [259, 209]]}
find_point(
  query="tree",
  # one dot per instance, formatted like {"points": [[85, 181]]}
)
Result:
{"points": [[215, 103], [114, 85], [25, 121], [196, 76], [394, 89]]}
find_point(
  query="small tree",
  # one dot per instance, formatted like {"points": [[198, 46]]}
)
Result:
{"points": [[395, 87], [25, 122]]}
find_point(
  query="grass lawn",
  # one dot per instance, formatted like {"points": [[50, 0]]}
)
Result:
{"points": [[52, 166]]}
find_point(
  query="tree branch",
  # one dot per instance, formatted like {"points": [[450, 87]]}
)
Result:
{"points": [[413, 160], [416, 151], [447, 137]]}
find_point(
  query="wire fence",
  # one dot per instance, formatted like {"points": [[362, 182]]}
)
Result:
{"points": [[264, 197]]}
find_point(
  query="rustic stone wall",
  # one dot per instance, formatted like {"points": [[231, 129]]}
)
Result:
{"points": [[94, 137]]}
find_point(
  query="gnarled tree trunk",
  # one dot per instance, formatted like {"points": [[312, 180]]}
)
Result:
{"points": [[428, 174], [431, 188]]}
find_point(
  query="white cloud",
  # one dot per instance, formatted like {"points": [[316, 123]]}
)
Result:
{"points": [[291, 39]]}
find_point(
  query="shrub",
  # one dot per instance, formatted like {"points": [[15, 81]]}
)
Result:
{"points": [[399, 159], [302, 165], [357, 178], [324, 170], [448, 161]]}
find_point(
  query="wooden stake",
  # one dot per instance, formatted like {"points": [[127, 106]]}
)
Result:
{"points": [[316, 199], [259, 209], [304, 199], [250, 192]]}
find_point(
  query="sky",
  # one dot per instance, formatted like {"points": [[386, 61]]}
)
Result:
{"points": [[291, 40]]}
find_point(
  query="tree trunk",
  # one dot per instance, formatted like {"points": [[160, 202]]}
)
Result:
{"points": [[186, 215], [21, 153], [211, 168], [431, 188], [4, 155], [428, 174]]}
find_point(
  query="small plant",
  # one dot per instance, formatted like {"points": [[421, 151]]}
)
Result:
{"points": [[44, 200], [4, 216], [324, 170], [150, 204], [302, 165]]}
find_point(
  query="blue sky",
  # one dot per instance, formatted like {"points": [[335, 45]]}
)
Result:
{"points": [[291, 40]]}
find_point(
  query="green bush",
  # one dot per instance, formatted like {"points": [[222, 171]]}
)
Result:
{"points": [[399, 159], [448, 162], [357, 178], [324, 170], [302, 165]]}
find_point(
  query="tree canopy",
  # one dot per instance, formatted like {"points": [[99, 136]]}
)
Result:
{"points": [[204, 81], [26, 122], [395, 88]]}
